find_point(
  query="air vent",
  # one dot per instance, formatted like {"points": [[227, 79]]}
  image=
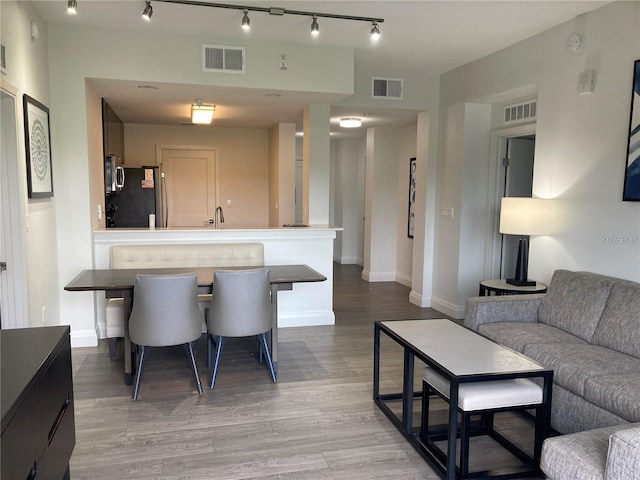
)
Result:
{"points": [[217, 58], [519, 112], [387, 88], [3, 58]]}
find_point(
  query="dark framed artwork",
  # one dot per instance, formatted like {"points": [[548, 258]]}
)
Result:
{"points": [[37, 136], [631, 190], [412, 196]]}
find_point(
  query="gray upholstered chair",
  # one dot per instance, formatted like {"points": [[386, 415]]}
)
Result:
{"points": [[240, 307], [165, 313]]}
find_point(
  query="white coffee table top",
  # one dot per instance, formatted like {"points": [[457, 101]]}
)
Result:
{"points": [[458, 349]]}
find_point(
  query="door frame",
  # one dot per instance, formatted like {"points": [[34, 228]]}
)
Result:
{"points": [[493, 240], [14, 313]]}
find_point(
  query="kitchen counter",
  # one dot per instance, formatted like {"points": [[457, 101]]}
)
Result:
{"points": [[305, 305]]}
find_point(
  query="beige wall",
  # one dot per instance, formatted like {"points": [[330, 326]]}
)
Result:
{"points": [[242, 164]]}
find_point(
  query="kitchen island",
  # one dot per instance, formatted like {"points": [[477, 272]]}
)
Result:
{"points": [[305, 305]]}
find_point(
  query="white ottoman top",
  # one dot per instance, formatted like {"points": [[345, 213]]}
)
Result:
{"points": [[487, 395]]}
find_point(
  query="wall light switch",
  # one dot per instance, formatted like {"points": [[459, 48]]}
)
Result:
{"points": [[447, 212], [228, 203], [587, 82], [99, 212]]}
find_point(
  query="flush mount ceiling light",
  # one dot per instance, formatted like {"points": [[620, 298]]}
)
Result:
{"points": [[350, 122], [246, 21], [147, 12], [276, 11], [72, 7], [202, 114]]}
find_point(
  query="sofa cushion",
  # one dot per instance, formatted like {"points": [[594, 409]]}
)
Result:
{"points": [[574, 302], [573, 363], [619, 394], [623, 460], [516, 335], [619, 327]]}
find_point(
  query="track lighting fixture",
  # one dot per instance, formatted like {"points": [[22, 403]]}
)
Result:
{"points": [[375, 31], [72, 7], [246, 22], [315, 29], [148, 12]]}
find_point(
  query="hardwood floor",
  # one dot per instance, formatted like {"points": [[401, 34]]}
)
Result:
{"points": [[318, 422]]}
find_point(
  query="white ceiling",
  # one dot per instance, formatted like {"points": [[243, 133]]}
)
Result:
{"points": [[427, 37]]}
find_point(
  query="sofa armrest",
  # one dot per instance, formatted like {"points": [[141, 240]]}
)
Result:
{"points": [[502, 308], [623, 460]]}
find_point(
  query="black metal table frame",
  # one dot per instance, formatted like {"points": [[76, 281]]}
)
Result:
{"points": [[448, 469]]}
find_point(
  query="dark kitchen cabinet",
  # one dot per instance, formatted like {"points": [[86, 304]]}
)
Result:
{"points": [[112, 133], [38, 427]]}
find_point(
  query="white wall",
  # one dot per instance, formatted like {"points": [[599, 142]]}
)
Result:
{"points": [[580, 146], [28, 72], [243, 164]]}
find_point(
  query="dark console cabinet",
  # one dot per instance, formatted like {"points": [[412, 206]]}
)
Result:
{"points": [[38, 429]]}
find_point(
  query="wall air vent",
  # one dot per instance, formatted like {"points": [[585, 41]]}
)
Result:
{"points": [[387, 88], [519, 112], [218, 58]]}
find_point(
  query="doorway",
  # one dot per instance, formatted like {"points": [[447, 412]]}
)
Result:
{"points": [[513, 151], [13, 279]]}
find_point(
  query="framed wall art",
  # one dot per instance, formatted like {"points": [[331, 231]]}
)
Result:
{"points": [[631, 191], [37, 135], [412, 196]]}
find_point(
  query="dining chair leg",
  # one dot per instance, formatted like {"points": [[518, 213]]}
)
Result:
{"points": [[139, 372], [265, 348], [214, 371], [194, 367]]}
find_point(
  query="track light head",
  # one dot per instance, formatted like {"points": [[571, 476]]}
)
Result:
{"points": [[246, 22], [148, 12], [315, 28], [375, 31], [72, 7]]}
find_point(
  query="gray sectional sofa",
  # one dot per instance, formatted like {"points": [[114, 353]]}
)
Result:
{"points": [[587, 328]]}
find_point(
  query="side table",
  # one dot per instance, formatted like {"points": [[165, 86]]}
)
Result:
{"points": [[501, 287]]}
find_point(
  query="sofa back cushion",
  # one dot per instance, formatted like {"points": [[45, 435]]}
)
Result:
{"points": [[619, 327], [575, 301]]}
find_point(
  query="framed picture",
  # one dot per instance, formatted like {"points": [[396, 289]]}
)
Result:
{"points": [[37, 136], [631, 190], [412, 196]]}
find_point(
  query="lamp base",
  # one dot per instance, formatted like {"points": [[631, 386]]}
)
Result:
{"points": [[521, 283]]}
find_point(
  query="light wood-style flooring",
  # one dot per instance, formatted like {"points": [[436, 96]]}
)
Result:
{"points": [[318, 422]]}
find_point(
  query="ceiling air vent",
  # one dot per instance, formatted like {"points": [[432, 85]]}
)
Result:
{"points": [[217, 58], [387, 88], [519, 112]]}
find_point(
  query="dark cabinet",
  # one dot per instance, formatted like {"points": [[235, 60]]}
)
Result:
{"points": [[112, 133], [38, 428]]}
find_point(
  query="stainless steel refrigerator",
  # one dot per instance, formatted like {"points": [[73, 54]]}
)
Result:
{"points": [[139, 196]]}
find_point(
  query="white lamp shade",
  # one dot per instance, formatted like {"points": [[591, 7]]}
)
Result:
{"points": [[525, 216], [202, 114]]}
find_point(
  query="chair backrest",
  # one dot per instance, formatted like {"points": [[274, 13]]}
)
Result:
{"points": [[241, 303], [165, 310]]}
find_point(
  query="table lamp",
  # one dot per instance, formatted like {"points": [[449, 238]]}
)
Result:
{"points": [[524, 216]]}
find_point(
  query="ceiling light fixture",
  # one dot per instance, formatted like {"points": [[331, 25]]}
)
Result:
{"points": [[148, 12], [202, 114], [246, 22], [350, 122], [276, 12], [72, 7], [375, 31]]}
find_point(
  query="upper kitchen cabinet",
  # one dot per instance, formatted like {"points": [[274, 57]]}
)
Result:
{"points": [[112, 133]]}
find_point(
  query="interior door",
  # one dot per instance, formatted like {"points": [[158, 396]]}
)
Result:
{"points": [[518, 182], [13, 283], [190, 183]]}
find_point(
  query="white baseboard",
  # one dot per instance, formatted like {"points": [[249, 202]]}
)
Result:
{"points": [[417, 299], [378, 276], [454, 311], [84, 338], [403, 280], [306, 319]]}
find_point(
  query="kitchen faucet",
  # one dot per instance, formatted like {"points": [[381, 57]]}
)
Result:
{"points": [[219, 216]]}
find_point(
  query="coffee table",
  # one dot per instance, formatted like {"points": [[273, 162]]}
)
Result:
{"points": [[460, 356]]}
